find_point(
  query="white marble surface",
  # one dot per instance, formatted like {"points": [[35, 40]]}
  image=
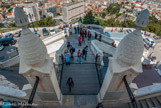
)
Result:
{"points": [[104, 47], [54, 46], [12, 92], [148, 90], [5, 82], [54, 38]]}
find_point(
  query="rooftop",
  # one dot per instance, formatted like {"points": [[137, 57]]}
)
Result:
{"points": [[72, 3]]}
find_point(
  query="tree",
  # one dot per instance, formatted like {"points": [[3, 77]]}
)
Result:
{"points": [[45, 22], [80, 19], [1, 25], [12, 24], [113, 8], [103, 14], [89, 18]]}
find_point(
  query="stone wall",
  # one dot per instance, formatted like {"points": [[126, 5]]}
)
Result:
{"points": [[11, 62]]}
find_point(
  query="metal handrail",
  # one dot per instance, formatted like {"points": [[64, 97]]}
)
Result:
{"points": [[31, 98], [62, 66], [132, 98], [97, 69]]}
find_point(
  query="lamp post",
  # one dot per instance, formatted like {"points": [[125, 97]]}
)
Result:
{"points": [[124, 22], [32, 22]]}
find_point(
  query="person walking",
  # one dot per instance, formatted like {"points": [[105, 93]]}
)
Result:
{"points": [[81, 27], [67, 57], [79, 40], [86, 50], [78, 29], [83, 40], [68, 44], [82, 33], [95, 35], [79, 56], [70, 83], [75, 29], [72, 50], [83, 52], [65, 32], [85, 33], [70, 31], [100, 37], [89, 35]]}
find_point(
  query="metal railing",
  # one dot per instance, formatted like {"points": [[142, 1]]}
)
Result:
{"points": [[31, 98], [59, 69], [132, 98], [98, 68]]}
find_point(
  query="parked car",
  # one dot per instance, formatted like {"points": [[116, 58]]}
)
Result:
{"points": [[1, 47], [17, 34], [52, 31], [37, 34], [45, 32], [9, 35], [130, 30], [7, 41], [149, 41]]}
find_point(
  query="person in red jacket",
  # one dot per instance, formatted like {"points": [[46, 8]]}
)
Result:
{"points": [[79, 56], [79, 40], [82, 33]]}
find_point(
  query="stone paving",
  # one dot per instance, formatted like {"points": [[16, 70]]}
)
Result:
{"points": [[12, 75]]}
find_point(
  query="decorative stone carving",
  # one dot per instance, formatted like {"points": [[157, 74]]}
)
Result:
{"points": [[143, 19], [20, 17], [35, 62], [31, 48], [131, 47], [126, 61]]}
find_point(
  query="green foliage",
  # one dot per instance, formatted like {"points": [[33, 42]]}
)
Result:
{"points": [[154, 26], [8, 29], [118, 14], [126, 2], [45, 22], [12, 24], [89, 18], [113, 8], [96, 14], [1, 25], [9, 10], [129, 23], [103, 14], [5, 5], [80, 19]]}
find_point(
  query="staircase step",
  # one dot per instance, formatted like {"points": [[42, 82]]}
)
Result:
{"points": [[138, 104], [149, 102], [130, 105], [156, 103], [144, 104], [159, 99], [84, 76]]}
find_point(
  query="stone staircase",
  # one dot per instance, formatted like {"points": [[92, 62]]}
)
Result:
{"points": [[84, 77], [75, 101], [152, 102]]}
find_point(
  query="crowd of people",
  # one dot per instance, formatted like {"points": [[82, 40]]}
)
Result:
{"points": [[68, 53]]}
